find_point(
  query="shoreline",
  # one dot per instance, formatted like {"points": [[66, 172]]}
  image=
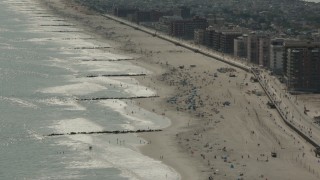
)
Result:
{"points": [[187, 144], [188, 170]]}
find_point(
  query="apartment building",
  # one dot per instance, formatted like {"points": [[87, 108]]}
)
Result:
{"points": [[227, 41], [302, 71], [240, 46], [276, 55], [264, 51], [164, 23], [258, 48], [186, 27], [199, 36]]}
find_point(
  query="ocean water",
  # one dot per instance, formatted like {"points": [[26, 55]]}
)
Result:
{"points": [[43, 74]]}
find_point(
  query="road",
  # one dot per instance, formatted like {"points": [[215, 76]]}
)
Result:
{"points": [[291, 113]]}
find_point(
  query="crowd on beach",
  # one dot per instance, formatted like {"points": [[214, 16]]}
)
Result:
{"points": [[208, 95]]}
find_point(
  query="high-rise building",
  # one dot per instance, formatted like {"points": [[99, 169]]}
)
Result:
{"points": [[227, 41], [240, 46], [276, 56], [216, 40], [258, 48], [186, 27], [165, 23], [208, 36], [264, 51], [252, 49], [302, 71], [199, 36]]}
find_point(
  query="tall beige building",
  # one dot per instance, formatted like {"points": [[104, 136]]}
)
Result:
{"points": [[276, 56], [258, 49], [240, 46]]}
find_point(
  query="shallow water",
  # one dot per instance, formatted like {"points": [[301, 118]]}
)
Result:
{"points": [[42, 74]]}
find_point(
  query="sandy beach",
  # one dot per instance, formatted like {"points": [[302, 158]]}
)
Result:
{"points": [[221, 126]]}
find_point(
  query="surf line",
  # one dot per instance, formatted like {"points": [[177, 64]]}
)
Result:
{"points": [[107, 132], [106, 98]]}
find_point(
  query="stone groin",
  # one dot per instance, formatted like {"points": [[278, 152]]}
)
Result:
{"points": [[63, 25], [128, 59], [106, 98], [44, 16], [77, 38], [115, 75], [107, 132], [64, 31]]}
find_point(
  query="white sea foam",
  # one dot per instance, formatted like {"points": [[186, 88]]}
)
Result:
{"points": [[75, 89], [105, 155], [6, 46], [61, 63], [60, 176], [101, 56], [19, 102], [133, 87], [103, 66], [35, 135], [80, 45], [132, 164], [138, 117], [129, 85], [67, 41], [76, 125], [91, 164], [69, 102]]}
